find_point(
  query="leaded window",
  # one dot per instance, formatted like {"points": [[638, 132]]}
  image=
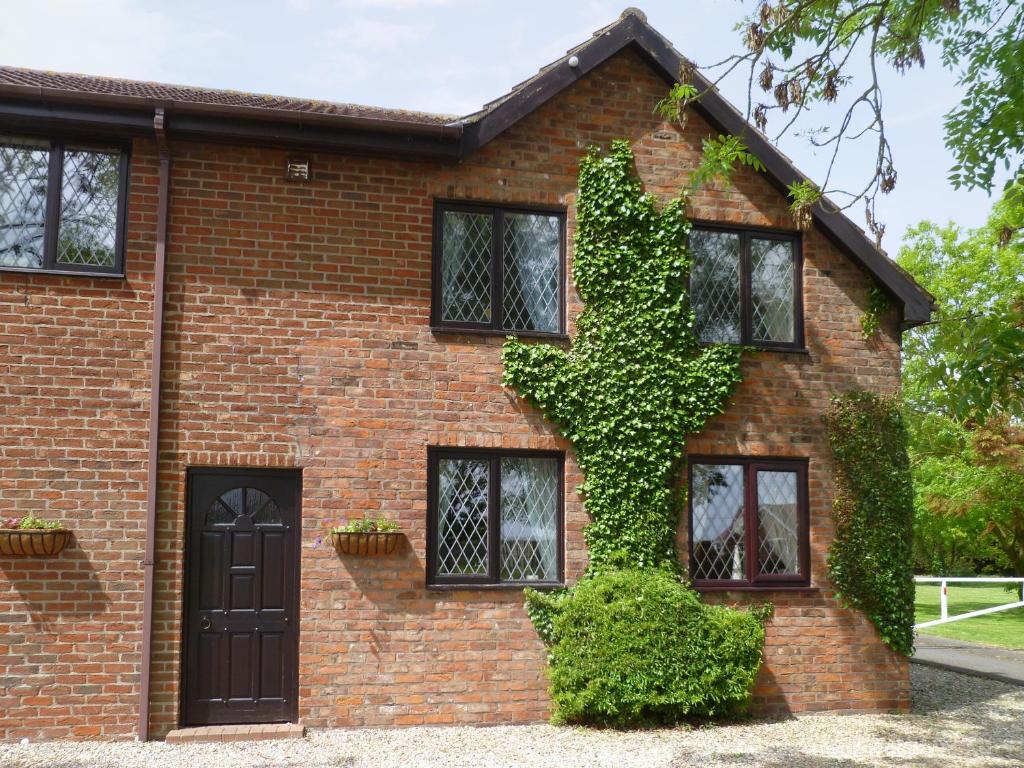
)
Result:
{"points": [[495, 517], [61, 206], [745, 287], [498, 270], [748, 522]]}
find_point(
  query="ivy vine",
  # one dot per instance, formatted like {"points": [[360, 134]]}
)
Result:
{"points": [[635, 382], [869, 560], [871, 320]]}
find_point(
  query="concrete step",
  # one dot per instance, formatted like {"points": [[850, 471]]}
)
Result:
{"points": [[258, 732]]}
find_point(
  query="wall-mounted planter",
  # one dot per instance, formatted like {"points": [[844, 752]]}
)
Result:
{"points": [[367, 544], [16, 542]]}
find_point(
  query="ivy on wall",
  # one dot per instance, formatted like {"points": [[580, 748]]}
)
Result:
{"points": [[871, 320], [632, 644], [870, 558], [635, 381]]}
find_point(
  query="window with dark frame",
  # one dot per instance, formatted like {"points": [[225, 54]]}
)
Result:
{"points": [[498, 269], [62, 206], [745, 287], [495, 517], [749, 524]]}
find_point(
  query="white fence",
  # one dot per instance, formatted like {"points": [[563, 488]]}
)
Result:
{"points": [[942, 581]]}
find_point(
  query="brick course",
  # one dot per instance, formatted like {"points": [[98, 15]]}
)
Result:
{"points": [[297, 335]]}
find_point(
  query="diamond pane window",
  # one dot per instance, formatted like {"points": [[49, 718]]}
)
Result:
{"points": [[718, 523], [23, 188], [745, 288], [88, 208], [495, 517], [463, 488], [715, 285], [748, 522], [61, 207], [532, 248], [498, 271], [777, 523], [466, 268], [529, 519], [771, 290]]}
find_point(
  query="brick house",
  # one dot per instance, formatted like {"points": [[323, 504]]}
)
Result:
{"points": [[230, 321]]}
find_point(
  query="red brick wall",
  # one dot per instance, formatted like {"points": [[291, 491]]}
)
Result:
{"points": [[298, 336], [74, 400]]}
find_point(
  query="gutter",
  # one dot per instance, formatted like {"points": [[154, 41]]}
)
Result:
{"points": [[149, 561], [53, 96]]}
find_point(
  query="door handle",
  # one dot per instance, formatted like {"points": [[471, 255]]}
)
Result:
{"points": [[204, 623]]}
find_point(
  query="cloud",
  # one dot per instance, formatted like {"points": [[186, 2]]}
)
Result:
{"points": [[394, 5], [372, 35], [99, 37]]}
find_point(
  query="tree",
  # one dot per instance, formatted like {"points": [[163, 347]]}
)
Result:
{"points": [[968, 362], [803, 53], [964, 391]]}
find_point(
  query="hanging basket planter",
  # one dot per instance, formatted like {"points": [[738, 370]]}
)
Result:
{"points": [[366, 543], [33, 543]]}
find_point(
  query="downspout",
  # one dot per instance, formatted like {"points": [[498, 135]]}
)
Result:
{"points": [[149, 561]]}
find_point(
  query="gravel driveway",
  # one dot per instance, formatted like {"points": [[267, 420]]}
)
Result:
{"points": [[957, 721]]}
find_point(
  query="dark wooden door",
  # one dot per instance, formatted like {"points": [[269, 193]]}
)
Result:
{"points": [[241, 600]]}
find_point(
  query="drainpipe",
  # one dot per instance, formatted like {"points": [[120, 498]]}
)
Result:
{"points": [[149, 561]]}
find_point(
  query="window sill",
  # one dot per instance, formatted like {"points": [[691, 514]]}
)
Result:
{"points": [[62, 272], [761, 348], [784, 350], [484, 332], [538, 585], [757, 588]]}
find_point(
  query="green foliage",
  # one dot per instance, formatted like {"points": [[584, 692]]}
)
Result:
{"points": [[870, 557], [672, 106], [720, 157], [636, 381], [630, 644], [986, 42], [803, 196], [638, 647], [368, 525], [871, 320], [964, 389], [969, 363], [961, 497]]}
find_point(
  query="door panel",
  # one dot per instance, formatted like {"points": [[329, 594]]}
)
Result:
{"points": [[240, 659]]}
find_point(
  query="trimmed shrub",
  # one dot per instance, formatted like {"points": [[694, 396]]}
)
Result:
{"points": [[638, 647]]}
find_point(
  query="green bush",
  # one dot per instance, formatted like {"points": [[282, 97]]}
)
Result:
{"points": [[638, 647]]}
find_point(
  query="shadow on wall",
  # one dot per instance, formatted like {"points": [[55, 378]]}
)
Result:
{"points": [[54, 589], [769, 697]]}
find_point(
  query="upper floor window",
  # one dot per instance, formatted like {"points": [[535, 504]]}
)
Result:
{"points": [[498, 269], [745, 287], [495, 517], [748, 522], [61, 206]]}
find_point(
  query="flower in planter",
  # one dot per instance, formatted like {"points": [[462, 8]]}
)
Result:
{"points": [[368, 525], [29, 523]]}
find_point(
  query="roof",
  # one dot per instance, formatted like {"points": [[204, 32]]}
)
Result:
{"points": [[13, 79], [36, 98]]}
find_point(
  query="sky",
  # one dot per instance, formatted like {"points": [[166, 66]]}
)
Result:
{"points": [[451, 56]]}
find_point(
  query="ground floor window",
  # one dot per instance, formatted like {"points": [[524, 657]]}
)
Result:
{"points": [[748, 522], [495, 517]]}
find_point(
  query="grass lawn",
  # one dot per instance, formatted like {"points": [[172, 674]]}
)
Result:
{"points": [[1005, 629]]}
